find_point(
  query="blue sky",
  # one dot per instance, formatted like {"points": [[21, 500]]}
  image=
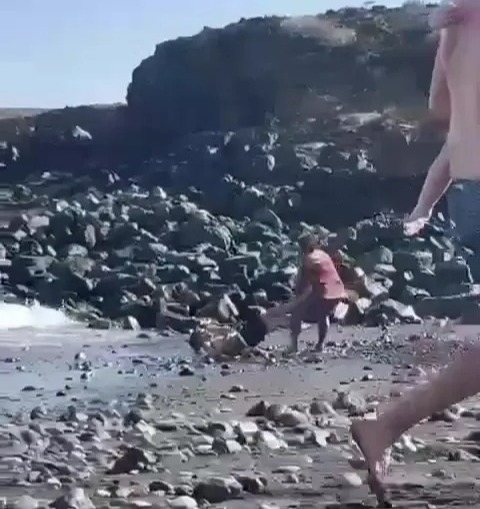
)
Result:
{"points": [[55, 53]]}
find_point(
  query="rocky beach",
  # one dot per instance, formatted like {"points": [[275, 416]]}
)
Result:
{"points": [[126, 420], [124, 229]]}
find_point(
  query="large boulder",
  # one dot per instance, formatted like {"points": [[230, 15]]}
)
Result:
{"points": [[284, 68]]}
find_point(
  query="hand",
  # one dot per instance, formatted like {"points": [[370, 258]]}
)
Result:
{"points": [[416, 221]]}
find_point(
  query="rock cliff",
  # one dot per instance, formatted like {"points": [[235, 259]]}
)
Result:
{"points": [[340, 69], [291, 69]]}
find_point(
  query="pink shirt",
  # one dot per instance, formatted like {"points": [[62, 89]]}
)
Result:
{"points": [[320, 271], [455, 90]]}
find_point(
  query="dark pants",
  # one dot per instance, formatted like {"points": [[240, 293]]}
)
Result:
{"points": [[463, 200]]}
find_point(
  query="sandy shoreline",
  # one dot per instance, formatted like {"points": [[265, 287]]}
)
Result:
{"points": [[187, 426]]}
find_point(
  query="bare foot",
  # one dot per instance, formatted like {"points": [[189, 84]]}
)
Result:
{"points": [[366, 434]]}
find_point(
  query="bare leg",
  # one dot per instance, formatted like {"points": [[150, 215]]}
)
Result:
{"points": [[323, 322], [278, 314], [288, 307], [295, 308], [295, 328], [457, 381], [323, 325]]}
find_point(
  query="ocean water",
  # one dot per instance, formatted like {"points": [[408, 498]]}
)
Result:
{"points": [[18, 316], [38, 349]]}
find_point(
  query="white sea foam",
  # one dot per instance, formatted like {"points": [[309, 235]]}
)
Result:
{"points": [[17, 316]]}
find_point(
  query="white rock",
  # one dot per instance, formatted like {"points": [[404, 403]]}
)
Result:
{"points": [[183, 502], [351, 479]]}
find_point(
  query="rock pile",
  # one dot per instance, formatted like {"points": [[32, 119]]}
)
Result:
{"points": [[150, 258]]}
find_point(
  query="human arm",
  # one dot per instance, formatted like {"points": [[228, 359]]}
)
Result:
{"points": [[436, 183], [439, 96], [438, 177]]}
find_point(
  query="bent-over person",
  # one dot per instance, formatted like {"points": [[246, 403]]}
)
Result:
{"points": [[318, 291]]}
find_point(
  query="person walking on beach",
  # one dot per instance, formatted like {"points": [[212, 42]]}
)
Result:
{"points": [[455, 91], [318, 291], [463, 184]]}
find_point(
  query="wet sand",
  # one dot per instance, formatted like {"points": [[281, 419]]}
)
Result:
{"points": [[186, 423]]}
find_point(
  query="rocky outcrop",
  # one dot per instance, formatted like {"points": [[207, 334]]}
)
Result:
{"points": [[252, 74], [79, 138], [284, 68]]}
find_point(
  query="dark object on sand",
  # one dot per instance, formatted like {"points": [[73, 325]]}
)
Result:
{"points": [[222, 340], [253, 329], [216, 340]]}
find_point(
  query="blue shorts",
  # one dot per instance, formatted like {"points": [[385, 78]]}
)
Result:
{"points": [[463, 200]]}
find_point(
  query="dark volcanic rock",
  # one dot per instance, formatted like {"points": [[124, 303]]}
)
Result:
{"points": [[288, 117], [293, 126], [280, 67], [108, 263], [343, 69]]}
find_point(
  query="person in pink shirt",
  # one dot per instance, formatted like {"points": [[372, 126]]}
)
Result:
{"points": [[455, 94], [318, 291]]}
